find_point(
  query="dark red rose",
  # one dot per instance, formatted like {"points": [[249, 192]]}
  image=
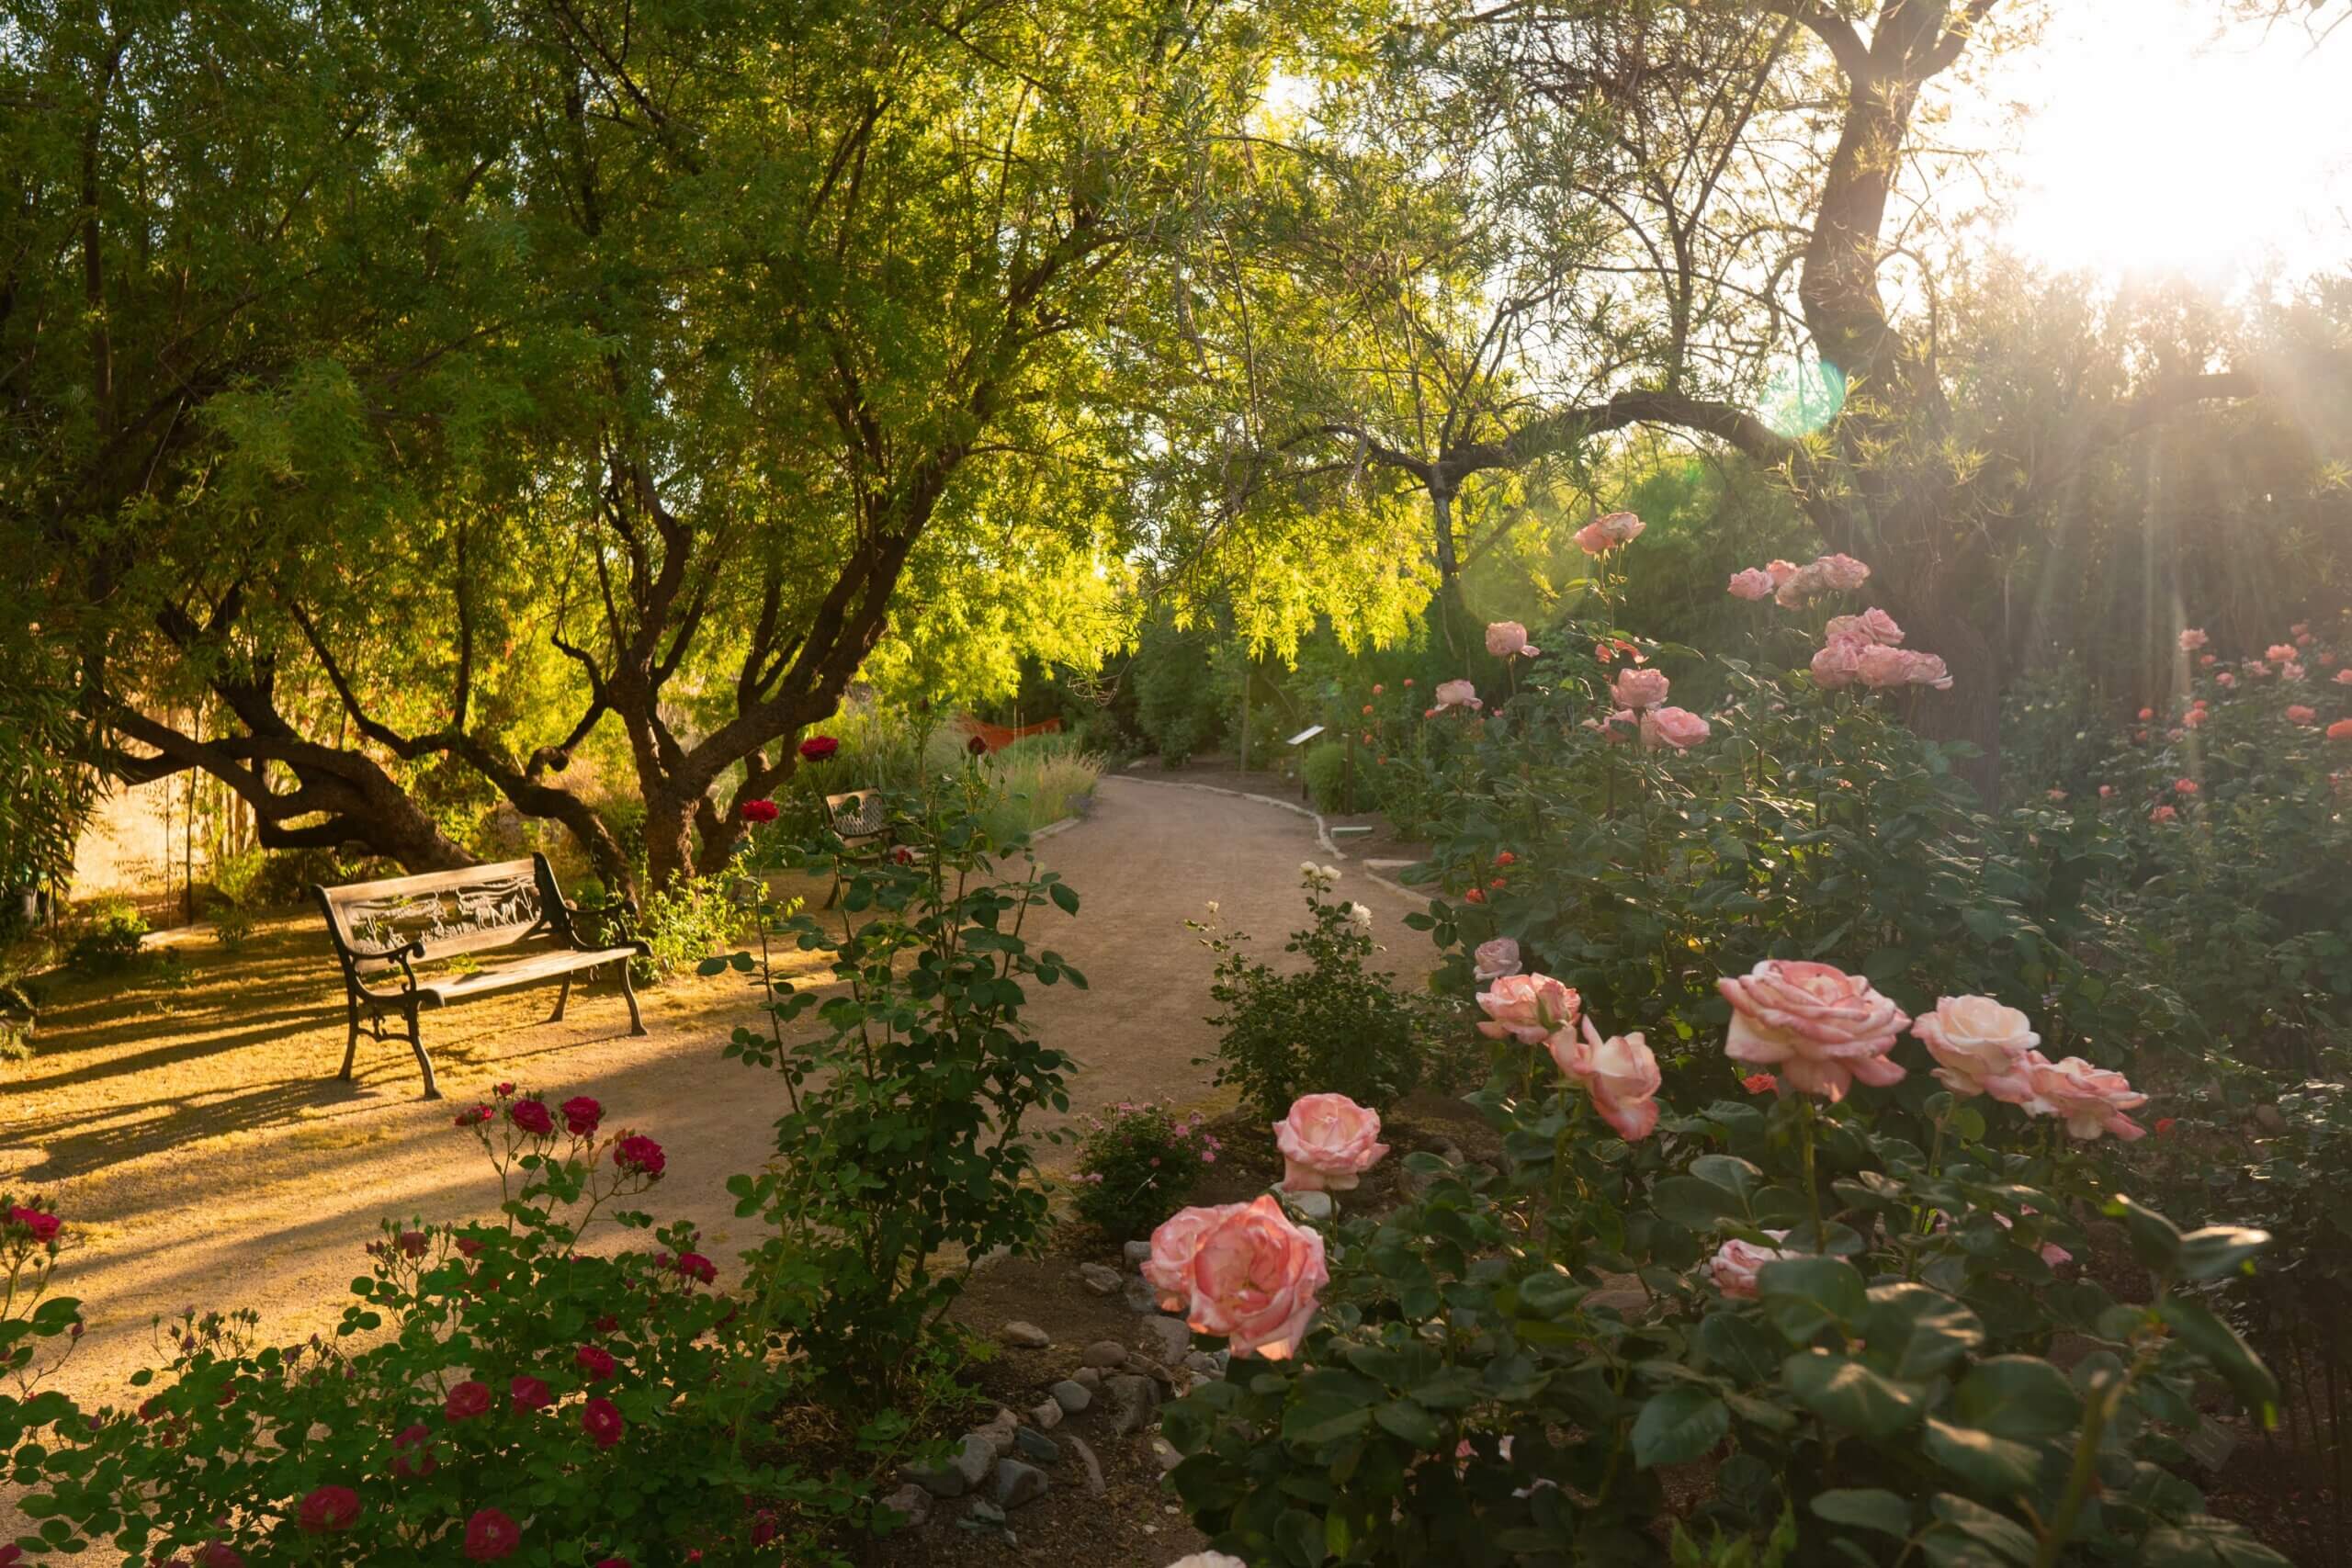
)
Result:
{"points": [[528, 1393], [601, 1419], [759, 811], [581, 1115], [976, 747], [504, 1091], [43, 1226], [818, 748], [531, 1116], [594, 1360], [640, 1155], [467, 1400], [695, 1266], [614, 1562], [474, 1116], [329, 1508], [415, 1243], [471, 1247], [217, 1555], [490, 1535], [418, 1437]]}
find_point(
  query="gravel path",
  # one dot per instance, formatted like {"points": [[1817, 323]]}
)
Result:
{"points": [[193, 1133]]}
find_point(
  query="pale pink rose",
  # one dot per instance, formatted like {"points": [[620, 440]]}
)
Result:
{"points": [[2291, 671], [1456, 694], [1872, 625], [2107, 792], [2343, 676], [1528, 1007], [1878, 667], [1638, 689], [1328, 1142], [1208, 1560], [1780, 572], [2298, 713], [2058, 796], [2225, 679], [1841, 573], [2193, 719], [1619, 1074], [1254, 1279], [1606, 533], [2090, 1099], [1837, 664], [1822, 1027], [1735, 1264], [1495, 959], [2256, 667], [2279, 652], [2163, 814], [2299, 630], [1752, 584], [2051, 1253], [1172, 1246], [1980, 1047], [1677, 728], [1799, 588], [2192, 639], [1508, 640], [1619, 725]]}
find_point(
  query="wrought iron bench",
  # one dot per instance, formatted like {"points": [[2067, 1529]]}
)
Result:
{"points": [[378, 928], [861, 820]]}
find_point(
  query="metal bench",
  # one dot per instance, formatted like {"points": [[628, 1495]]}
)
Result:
{"points": [[861, 820], [378, 928]]}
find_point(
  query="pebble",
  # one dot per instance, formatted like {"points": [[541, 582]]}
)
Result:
{"points": [[1138, 1252], [1314, 1205], [1165, 1452], [911, 1503], [998, 1438], [1027, 1336], [963, 1471], [1094, 1487], [1017, 1483], [1140, 1297], [1088, 1378], [1036, 1446], [1167, 1337], [1103, 1279], [1133, 1400], [1106, 1353], [1047, 1415], [1071, 1396], [1203, 1363]]}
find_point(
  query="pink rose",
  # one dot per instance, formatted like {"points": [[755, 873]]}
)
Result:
{"points": [[2183, 786], [1212, 1559], [1619, 1074], [2256, 667], [2279, 652], [2090, 1099], [2058, 796], [2298, 713], [1328, 1142], [1638, 689], [1605, 533], [1980, 1047], [1172, 1246], [1254, 1280], [1508, 640], [1677, 728], [1837, 664], [2292, 670], [1823, 1027], [1872, 625], [1495, 959], [2225, 679], [1780, 572], [43, 1223], [2192, 639], [2340, 730], [2343, 676], [2163, 814], [1456, 694], [1751, 584], [1841, 573], [1528, 1007], [1735, 1264], [1801, 587], [1620, 725], [1880, 667]]}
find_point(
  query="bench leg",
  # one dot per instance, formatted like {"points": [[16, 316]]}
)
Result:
{"points": [[416, 1043], [629, 992], [351, 1046], [561, 997]]}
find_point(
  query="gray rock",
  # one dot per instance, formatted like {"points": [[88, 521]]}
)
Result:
{"points": [[911, 1503], [1106, 1353], [1202, 1362], [1165, 1452], [1314, 1205], [1094, 1487], [1017, 1483], [1088, 1378], [1027, 1336], [1036, 1446], [963, 1471], [1071, 1396], [985, 1515], [1133, 1400], [1138, 1252], [1166, 1338], [998, 1438], [1103, 1279], [1140, 1296], [1047, 1415]]}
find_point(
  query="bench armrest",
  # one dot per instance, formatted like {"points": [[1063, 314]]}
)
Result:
{"points": [[412, 948]]}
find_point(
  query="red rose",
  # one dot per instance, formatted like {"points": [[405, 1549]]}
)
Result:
{"points": [[1506, 857], [475, 1116], [504, 1091], [1476, 896], [817, 748], [405, 1464], [1761, 1083], [2164, 1125], [43, 1226], [329, 1508], [614, 1562], [759, 811], [695, 1266], [581, 1115], [531, 1116], [594, 1360], [469, 1246], [640, 1155], [214, 1554], [468, 1399], [601, 1419], [415, 1243], [527, 1394], [490, 1535]]}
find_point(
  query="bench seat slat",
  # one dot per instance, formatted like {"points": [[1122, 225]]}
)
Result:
{"points": [[449, 988]]}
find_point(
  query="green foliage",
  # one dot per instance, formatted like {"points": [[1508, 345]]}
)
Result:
{"points": [[1135, 1165], [110, 939], [1182, 695], [684, 924], [902, 1148], [1335, 1026], [1333, 781]]}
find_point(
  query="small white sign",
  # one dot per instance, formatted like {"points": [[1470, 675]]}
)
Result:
{"points": [[1303, 736]]}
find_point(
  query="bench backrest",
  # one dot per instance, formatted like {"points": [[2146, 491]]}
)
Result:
{"points": [[467, 911], [860, 814]]}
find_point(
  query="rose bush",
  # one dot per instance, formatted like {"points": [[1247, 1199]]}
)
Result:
{"points": [[1135, 1163]]}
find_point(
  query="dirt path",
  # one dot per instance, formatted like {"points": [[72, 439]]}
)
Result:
{"points": [[193, 1131]]}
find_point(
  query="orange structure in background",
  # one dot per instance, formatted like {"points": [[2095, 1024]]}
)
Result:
{"points": [[996, 736]]}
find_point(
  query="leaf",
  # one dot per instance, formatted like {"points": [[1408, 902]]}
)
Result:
{"points": [[2000, 1532], [1679, 1425], [2018, 1397], [1729, 1172], [1324, 1418], [1738, 1347], [1693, 1203], [2216, 1250], [1410, 1422], [1865, 1508], [1302, 1538], [1986, 1463], [1841, 1389], [2229, 1355], [2155, 1240], [1922, 1330], [2204, 1542], [1064, 898], [1805, 1295], [1549, 1294]]}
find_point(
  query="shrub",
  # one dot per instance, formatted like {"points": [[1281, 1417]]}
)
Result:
{"points": [[487, 1380], [1181, 694], [1137, 1163], [1332, 778], [110, 940], [1337, 1025]]}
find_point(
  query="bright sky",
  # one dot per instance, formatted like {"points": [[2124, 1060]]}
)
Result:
{"points": [[2160, 141]]}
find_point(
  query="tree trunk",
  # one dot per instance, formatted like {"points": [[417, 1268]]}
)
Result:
{"points": [[669, 835]]}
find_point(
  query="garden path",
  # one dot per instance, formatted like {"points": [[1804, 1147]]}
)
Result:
{"points": [[190, 1128]]}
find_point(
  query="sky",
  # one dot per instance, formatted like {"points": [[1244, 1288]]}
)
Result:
{"points": [[2158, 140]]}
